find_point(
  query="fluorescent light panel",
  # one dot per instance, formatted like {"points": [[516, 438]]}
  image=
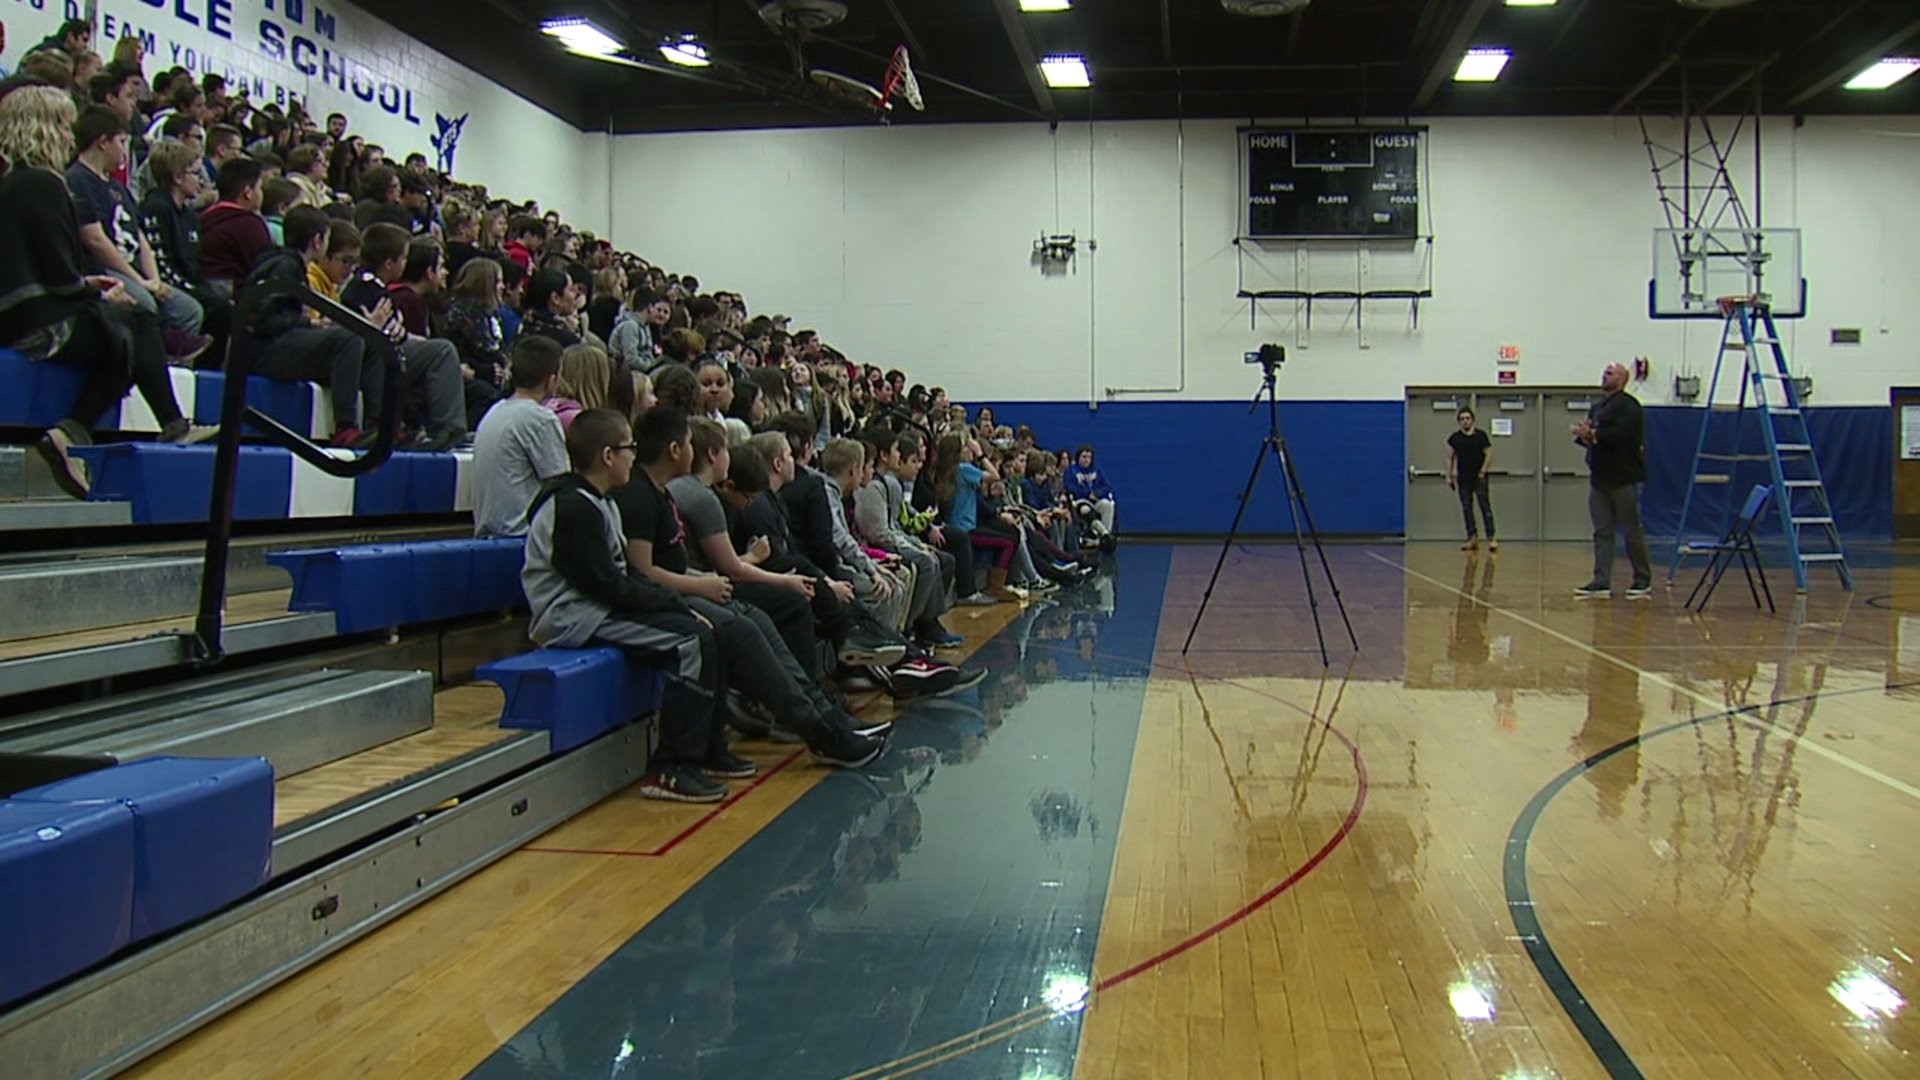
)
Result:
{"points": [[1885, 73], [686, 52], [581, 36], [1045, 5], [1066, 72], [1481, 65], [1531, 3]]}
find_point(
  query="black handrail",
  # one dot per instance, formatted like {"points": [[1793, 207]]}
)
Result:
{"points": [[235, 414]]}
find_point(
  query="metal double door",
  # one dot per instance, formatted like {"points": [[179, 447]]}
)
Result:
{"points": [[1537, 482]]}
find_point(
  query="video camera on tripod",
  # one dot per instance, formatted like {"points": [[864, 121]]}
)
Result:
{"points": [[1268, 356]]}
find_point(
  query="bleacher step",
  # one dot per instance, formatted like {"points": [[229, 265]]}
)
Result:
{"points": [[76, 666], [19, 515], [297, 722]]}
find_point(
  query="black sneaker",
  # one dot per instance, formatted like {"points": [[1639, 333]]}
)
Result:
{"points": [[727, 766], [922, 678], [862, 649], [1639, 592], [1592, 592], [967, 679], [672, 783], [845, 750], [744, 717]]}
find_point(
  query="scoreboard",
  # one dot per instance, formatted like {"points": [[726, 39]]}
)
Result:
{"points": [[1331, 182]]}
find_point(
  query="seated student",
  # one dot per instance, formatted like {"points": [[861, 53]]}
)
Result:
{"points": [[60, 316], [380, 201], [232, 232], [173, 231], [1053, 563], [513, 290], [519, 445], [292, 343], [1085, 483], [811, 505], [462, 228], [997, 527], [581, 592], [326, 275], [632, 340], [526, 235], [877, 507], [758, 662], [277, 195], [550, 307], [844, 465], [472, 321], [1050, 512], [785, 596], [431, 365], [307, 168], [956, 487], [584, 378], [111, 237]]}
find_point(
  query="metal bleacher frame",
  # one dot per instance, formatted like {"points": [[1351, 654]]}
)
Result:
{"points": [[334, 877]]}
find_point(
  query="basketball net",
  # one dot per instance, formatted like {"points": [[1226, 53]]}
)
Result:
{"points": [[900, 81]]}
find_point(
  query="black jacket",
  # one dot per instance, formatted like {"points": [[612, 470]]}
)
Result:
{"points": [[174, 232], [40, 277], [281, 314], [811, 519], [1617, 456]]}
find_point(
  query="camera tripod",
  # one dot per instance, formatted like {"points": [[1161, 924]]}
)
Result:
{"points": [[1297, 514]]}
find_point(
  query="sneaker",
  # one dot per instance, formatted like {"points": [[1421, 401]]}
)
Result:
{"points": [[966, 679], [845, 750], [1492, 544], [942, 638], [672, 783], [978, 599], [1593, 592], [870, 731], [184, 348], [1472, 544], [923, 678], [434, 444], [745, 717], [727, 766], [856, 680], [184, 432], [345, 438], [68, 470], [862, 649], [785, 736], [1639, 592]]}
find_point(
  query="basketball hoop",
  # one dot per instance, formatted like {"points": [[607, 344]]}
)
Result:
{"points": [[849, 89], [900, 81], [1729, 303]]}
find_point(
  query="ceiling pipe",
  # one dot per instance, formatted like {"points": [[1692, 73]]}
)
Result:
{"points": [[1016, 30]]}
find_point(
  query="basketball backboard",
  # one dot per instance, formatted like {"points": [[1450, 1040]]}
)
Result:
{"points": [[1693, 268]]}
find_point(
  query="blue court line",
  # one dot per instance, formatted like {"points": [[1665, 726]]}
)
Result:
{"points": [[960, 884], [1520, 906]]}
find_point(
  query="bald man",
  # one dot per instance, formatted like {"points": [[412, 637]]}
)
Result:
{"points": [[1614, 434]]}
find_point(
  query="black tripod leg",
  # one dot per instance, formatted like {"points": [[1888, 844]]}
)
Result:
{"points": [[1246, 499], [1300, 542], [1299, 492]]}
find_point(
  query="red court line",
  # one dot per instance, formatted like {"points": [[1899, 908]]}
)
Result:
{"points": [[683, 834]]}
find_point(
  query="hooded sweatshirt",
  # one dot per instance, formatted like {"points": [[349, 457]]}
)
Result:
{"points": [[1087, 482], [174, 232], [575, 575], [232, 239]]}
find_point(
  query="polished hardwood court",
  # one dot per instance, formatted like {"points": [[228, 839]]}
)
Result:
{"points": [[1518, 834]]}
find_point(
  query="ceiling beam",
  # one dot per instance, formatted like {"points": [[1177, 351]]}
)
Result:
{"points": [[1449, 56], [1016, 28], [913, 43], [1853, 66], [1728, 91], [1664, 66], [1166, 34]]}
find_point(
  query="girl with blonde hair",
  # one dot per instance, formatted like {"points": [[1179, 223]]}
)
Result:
{"points": [[584, 375]]}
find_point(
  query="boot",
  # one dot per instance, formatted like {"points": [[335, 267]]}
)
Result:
{"points": [[997, 584]]}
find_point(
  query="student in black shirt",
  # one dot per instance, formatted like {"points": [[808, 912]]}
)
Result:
{"points": [[757, 660], [1469, 455], [1614, 434]]}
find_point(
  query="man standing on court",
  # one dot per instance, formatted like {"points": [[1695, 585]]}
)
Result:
{"points": [[1614, 434]]}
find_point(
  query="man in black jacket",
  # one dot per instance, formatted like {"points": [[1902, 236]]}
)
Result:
{"points": [[1614, 434]]}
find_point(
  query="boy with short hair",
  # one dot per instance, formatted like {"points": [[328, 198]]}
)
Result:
{"points": [[431, 365], [519, 445], [758, 660], [232, 232], [876, 510], [578, 585], [291, 343]]}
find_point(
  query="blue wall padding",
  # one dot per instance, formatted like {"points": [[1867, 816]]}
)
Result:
{"points": [[1853, 446], [203, 831], [66, 890]]}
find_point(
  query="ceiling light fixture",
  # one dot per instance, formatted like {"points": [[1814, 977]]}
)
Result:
{"points": [[1885, 73], [1531, 3], [686, 51], [1066, 72], [1045, 5], [1482, 65], [581, 36]]}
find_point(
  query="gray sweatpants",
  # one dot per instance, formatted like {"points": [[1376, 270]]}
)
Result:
{"points": [[1613, 510], [432, 367]]}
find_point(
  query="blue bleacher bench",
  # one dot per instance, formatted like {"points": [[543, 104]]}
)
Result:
{"points": [[39, 395], [66, 890], [202, 831], [576, 695], [380, 586]]}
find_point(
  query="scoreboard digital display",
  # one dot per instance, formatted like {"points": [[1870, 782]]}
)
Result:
{"points": [[1331, 183]]}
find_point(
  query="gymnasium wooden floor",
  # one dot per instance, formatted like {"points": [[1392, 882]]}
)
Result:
{"points": [[1518, 835]]}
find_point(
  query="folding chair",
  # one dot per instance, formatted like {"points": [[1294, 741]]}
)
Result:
{"points": [[1737, 544]]}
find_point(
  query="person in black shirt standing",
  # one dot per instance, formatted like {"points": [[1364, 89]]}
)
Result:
{"points": [[1469, 455], [1614, 434]]}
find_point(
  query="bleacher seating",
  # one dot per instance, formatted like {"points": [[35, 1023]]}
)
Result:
{"points": [[66, 890], [45, 391], [378, 586], [576, 695]]}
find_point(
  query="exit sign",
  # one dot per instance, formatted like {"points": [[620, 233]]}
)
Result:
{"points": [[1509, 354]]}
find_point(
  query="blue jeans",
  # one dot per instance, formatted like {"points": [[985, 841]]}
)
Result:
{"points": [[178, 311]]}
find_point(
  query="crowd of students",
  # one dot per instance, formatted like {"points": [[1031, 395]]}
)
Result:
{"points": [[737, 500]]}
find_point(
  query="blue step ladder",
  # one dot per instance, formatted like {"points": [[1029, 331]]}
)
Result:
{"points": [[1769, 394]]}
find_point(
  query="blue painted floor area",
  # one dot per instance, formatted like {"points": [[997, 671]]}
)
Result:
{"points": [[959, 884]]}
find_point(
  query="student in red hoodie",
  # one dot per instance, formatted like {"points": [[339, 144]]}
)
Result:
{"points": [[232, 233], [526, 235]]}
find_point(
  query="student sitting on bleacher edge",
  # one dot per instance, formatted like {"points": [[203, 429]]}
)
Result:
{"points": [[581, 592]]}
